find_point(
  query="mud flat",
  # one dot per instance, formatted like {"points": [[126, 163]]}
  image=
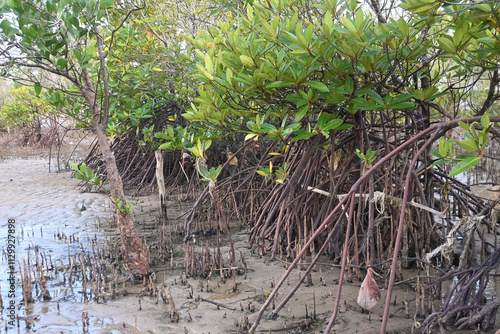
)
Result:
{"points": [[52, 216]]}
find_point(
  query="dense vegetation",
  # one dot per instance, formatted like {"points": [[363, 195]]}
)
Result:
{"points": [[327, 125]]}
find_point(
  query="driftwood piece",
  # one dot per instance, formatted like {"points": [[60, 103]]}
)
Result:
{"points": [[161, 186], [380, 198]]}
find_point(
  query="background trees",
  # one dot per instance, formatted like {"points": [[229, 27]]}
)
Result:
{"points": [[30, 112], [66, 38]]}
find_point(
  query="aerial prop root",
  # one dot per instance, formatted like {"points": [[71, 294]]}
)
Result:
{"points": [[436, 131]]}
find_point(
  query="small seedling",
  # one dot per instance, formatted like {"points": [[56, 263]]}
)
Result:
{"points": [[123, 209], [86, 175]]}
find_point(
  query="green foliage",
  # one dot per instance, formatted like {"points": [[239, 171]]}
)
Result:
{"points": [[266, 73], [63, 37], [368, 158], [123, 209], [57, 37], [275, 74], [148, 67], [25, 107], [54, 33], [200, 148], [475, 143], [276, 70], [86, 175], [282, 174], [267, 172], [210, 175]]}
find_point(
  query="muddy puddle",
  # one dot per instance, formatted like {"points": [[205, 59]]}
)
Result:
{"points": [[63, 228]]}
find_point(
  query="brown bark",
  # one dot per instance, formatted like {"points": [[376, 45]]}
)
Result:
{"points": [[136, 261], [491, 97], [161, 186]]}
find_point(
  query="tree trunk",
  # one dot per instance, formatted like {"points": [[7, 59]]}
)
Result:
{"points": [[136, 260], [161, 186]]}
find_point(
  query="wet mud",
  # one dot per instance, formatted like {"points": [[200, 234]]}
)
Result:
{"points": [[63, 227]]}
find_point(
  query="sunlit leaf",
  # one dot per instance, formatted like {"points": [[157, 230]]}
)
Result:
{"points": [[464, 126], [464, 165], [317, 85], [446, 44], [301, 113], [485, 120], [246, 60], [468, 144], [250, 136]]}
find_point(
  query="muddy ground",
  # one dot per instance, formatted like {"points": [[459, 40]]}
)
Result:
{"points": [[48, 208]]}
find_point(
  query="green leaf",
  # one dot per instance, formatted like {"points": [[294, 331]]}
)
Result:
{"points": [[446, 44], [229, 76], [204, 72], [214, 174], [204, 172], [303, 135], [62, 63], [485, 120], [376, 97], [301, 113], [464, 165], [5, 25], [80, 177], [270, 31], [349, 85], [483, 138], [468, 144], [38, 89], [437, 154], [165, 146], [333, 124], [443, 149], [170, 131], [484, 7], [265, 127], [298, 99], [208, 63], [279, 84], [403, 106], [439, 162], [317, 85], [107, 3], [348, 24], [246, 60], [487, 40], [464, 126]]}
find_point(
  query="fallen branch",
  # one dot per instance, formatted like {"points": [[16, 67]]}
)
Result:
{"points": [[379, 196], [451, 239], [218, 304]]}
